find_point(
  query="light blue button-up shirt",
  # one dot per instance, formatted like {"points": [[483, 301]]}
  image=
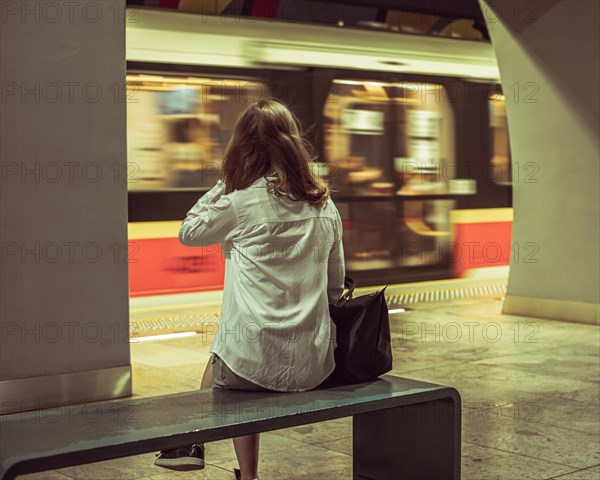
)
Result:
{"points": [[284, 266]]}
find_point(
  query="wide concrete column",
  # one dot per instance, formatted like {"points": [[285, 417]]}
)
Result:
{"points": [[548, 57], [63, 204]]}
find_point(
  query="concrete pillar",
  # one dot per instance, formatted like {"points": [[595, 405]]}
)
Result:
{"points": [[63, 204], [548, 57]]}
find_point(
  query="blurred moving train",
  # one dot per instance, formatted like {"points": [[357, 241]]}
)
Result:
{"points": [[410, 133]]}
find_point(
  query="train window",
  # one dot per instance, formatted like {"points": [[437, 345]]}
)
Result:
{"points": [[389, 138], [357, 145], [178, 128], [424, 152], [500, 161]]}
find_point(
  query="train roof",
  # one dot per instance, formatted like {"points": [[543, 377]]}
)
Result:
{"points": [[160, 36]]}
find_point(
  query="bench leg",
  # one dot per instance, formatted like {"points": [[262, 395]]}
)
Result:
{"points": [[414, 442]]}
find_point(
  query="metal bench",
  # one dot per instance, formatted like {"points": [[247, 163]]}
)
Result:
{"points": [[402, 429]]}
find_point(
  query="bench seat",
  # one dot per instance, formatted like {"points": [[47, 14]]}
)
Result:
{"points": [[402, 428]]}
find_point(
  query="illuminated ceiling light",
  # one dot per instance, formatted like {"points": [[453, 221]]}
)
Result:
{"points": [[376, 91], [348, 82], [165, 336]]}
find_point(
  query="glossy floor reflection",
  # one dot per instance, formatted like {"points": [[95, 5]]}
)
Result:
{"points": [[530, 391]]}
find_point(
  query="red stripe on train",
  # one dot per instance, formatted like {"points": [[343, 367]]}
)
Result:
{"points": [[161, 266], [478, 245]]}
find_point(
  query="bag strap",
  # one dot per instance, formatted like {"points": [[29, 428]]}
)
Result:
{"points": [[350, 285]]}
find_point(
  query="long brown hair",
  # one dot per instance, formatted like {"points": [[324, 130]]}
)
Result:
{"points": [[267, 142]]}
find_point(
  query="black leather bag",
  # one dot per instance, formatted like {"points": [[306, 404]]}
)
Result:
{"points": [[364, 348]]}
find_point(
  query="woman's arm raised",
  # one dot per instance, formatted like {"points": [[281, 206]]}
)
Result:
{"points": [[211, 220]]}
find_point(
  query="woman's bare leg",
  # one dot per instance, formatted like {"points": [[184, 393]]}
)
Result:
{"points": [[207, 378], [246, 450], [246, 447]]}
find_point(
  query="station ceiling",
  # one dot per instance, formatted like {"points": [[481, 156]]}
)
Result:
{"points": [[443, 8], [432, 17]]}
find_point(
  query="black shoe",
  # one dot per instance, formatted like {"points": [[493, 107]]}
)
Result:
{"points": [[183, 458], [238, 474]]}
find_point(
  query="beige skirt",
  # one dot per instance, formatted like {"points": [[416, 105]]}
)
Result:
{"points": [[224, 377]]}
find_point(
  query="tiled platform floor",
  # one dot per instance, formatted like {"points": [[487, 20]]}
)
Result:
{"points": [[530, 391]]}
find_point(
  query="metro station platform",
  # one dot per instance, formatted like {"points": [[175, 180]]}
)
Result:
{"points": [[457, 140], [530, 390]]}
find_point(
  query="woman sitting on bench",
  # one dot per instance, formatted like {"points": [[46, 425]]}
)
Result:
{"points": [[281, 236]]}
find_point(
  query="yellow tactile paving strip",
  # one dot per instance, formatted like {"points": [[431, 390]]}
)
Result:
{"points": [[202, 316]]}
